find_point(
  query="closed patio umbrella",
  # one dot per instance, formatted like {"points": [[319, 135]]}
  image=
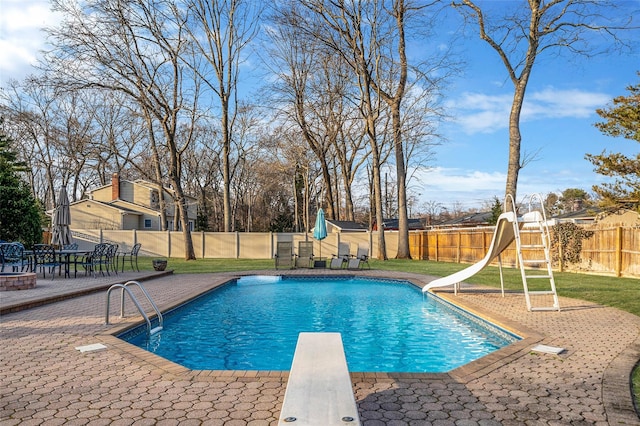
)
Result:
{"points": [[320, 229], [60, 231]]}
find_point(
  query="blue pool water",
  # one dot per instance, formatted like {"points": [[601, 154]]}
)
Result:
{"points": [[386, 325]]}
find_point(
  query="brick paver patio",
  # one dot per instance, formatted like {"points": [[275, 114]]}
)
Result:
{"points": [[45, 380]]}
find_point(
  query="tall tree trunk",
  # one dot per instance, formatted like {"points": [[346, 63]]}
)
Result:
{"points": [[226, 166], [515, 140], [401, 176], [399, 10], [157, 168]]}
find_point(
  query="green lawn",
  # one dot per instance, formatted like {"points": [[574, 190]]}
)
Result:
{"points": [[621, 293]]}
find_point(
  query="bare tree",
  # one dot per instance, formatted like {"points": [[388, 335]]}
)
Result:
{"points": [[221, 31], [348, 29], [134, 48], [296, 60], [521, 31], [370, 36], [54, 129], [28, 121]]}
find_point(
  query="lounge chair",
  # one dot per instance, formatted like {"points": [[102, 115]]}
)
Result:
{"points": [[284, 254], [361, 257], [339, 260], [304, 259]]}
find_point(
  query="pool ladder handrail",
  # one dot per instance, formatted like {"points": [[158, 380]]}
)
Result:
{"points": [[124, 289]]}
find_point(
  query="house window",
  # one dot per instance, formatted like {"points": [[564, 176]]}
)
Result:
{"points": [[147, 224], [191, 225]]}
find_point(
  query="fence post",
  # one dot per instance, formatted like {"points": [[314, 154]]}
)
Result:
{"points": [[618, 251], [237, 245], [271, 251], [459, 247], [484, 241], [168, 243]]}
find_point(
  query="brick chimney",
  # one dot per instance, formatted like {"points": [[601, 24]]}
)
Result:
{"points": [[115, 186]]}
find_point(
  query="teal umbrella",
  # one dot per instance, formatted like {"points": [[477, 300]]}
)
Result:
{"points": [[320, 229]]}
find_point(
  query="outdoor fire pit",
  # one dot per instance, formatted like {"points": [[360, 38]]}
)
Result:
{"points": [[17, 280]]}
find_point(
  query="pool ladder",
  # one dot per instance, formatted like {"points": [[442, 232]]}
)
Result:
{"points": [[124, 288]]}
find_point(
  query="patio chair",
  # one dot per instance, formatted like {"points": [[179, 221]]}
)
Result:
{"points": [[12, 257], [340, 260], [284, 254], [133, 256], [44, 256], [360, 259], [109, 259], [91, 261], [304, 258]]}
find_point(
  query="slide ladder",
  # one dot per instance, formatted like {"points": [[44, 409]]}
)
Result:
{"points": [[535, 252]]}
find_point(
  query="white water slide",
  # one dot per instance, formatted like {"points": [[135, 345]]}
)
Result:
{"points": [[503, 236]]}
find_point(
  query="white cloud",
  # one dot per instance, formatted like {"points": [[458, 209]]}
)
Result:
{"points": [[21, 35], [550, 103], [467, 188], [475, 188], [482, 113], [451, 179]]}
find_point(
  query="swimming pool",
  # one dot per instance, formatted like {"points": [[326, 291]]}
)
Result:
{"points": [[387, 326]]}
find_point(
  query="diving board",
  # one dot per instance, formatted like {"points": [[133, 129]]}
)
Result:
{"points": [[319, 390]]}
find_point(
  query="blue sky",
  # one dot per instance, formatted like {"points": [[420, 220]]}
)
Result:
{"points": [[557, 124], [469, 168]]}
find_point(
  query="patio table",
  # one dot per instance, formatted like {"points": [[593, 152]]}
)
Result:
{"points": [[64, 257]]}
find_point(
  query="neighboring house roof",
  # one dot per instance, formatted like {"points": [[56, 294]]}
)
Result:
{"points": [[128, 204], [583, 215], [393, 224], [121, 209], [472, 219], [346, 225], [151, 185], [143, 183]]}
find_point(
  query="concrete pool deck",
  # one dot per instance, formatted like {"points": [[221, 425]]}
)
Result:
{"points": [[46, 380]]}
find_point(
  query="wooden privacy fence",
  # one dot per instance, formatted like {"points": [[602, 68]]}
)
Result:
{"points": [[610, 251]]}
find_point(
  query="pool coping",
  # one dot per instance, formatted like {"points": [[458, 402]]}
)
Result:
{"points": [[462, 374]]}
